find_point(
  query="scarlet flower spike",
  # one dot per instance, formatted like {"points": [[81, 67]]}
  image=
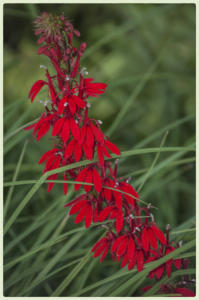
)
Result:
{"points": [[132, 238]]}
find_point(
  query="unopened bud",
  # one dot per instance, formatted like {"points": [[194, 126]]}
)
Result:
{"points": [[149, 206]]}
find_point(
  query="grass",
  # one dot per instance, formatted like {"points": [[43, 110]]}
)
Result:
{"points": [[148, 111]]}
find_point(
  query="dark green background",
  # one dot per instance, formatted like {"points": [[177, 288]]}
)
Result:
{"points": [[123, 41]]}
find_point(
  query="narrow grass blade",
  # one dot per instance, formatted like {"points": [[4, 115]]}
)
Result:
{"points": [[71, 275], [11, 190], [156, 134], [134, 95], [8, 136], [147, 174]]}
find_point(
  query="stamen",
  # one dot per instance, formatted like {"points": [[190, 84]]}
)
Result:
{"points": [[65, 104], [83, 71], [60, 153], [88, 105], [128, 180], [67, 78], [47, 101], [168, 227], [116, 184], [43, 67], [180, 243], [117, 161], [100, 122], [152, 217]]}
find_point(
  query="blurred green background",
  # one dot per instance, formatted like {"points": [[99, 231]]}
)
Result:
{"points": [[146, 55]]}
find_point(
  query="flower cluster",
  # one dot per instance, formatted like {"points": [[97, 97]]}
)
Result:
{"points": [[132, 236]]}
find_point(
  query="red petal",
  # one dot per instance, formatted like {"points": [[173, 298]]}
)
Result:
{"points": [[77, 207], [145, 239], [78, 152], [159, 234], [117, 242], [99, 250], [152, 239], [69, 149], [36, 88], [89, 216], [30, 127], [97, 180], [177, 263], [101, 241], [43, 130], [81, 215], [132, 263], [159, 272], [61, 106], [46, 155], [82, 134], [74, 129], [80, 178], [122, 247], [51, 184], [89, 137], [79, 101], [124, 261], [104, 213], [57, 126], [118, 199], [65, 134], [104, 254], [185, 292], [97, 133], [140, 260], [72, 105], [88, 179], [168, 267], [100, 155], [131, 249], [112, 147], [119, 221], [88, 151]]}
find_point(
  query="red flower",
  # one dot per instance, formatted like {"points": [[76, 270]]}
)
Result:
{"points": [[102, 247], [84, 209], [36, 88], [89, 175], [93, 89], [150, 235]]}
